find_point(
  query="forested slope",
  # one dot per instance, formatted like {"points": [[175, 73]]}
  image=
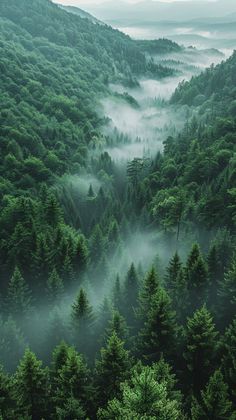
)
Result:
{"points": [[154, 341]]}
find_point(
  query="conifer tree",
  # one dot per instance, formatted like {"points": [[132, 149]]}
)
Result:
{"points": [[130, 297], [158, 336], [117, 295], [97, 244], [197, 283], [7, 404], [118, 326], [55, 288], [112, 369], [148, 290], [142, 398], [71, 409], [82, 321], [229, 358], [53, 212], [227, 296], [214, 270], [173, 271], [18, 299], [200, 348], [214, 402], [31, 388], [73, 379], [12, 344]]}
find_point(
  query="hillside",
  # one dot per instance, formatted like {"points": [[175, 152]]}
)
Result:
{"points": [[117, 270], [81, 13]]}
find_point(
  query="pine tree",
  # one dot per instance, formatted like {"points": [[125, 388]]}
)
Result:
{"points": [[197, 283], [72, 409], [97, 245], [117, 295], [214, 270], [103, 317], [12, 344], [214, 402], [73, 379], [91, 192], [142, 398], [7, 404], [173, 271], [31, 388], [227, 296], [229, 357], [81, 257], [118, 326], [82, 322], [130, 297], [52, 210], [200, 348], [112, 369], [55, 288], [18, 301], [149, 289], [159, 333]]}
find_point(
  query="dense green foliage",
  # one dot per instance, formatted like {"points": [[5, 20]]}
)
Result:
{"points": [[84, 331]]}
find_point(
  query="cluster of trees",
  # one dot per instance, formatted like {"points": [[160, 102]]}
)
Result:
{"points": [[158, 347]]}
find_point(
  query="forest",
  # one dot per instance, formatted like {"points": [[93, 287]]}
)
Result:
{"points": [[117, 279]]}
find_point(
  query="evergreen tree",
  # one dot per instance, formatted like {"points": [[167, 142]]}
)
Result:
{"points": [[73, 379], [173, 271], [12, 344], [31, 388], [82, 322], [176, 284], [72, 409], [55, 287], [118, 326], [149, 289], [158, 336], [117, 295], [214, 402], [227, 296], [112, 369], [18, 301], [52, 210], [197, 283], [7, 404], [142, 398], [214, 270], [200, 349], [130, 297], [229, 358]]}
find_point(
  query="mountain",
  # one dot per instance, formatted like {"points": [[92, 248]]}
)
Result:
{"points": [[81, 13], [156, 10]]}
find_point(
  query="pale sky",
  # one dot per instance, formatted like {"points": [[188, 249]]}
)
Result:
{"points": [[84, 2]]}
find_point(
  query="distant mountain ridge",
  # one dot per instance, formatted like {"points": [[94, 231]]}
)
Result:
{"points": [[157, 10], [81, 13]]}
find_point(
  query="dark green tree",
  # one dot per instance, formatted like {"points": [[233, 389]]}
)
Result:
{"points": [[148, 290], [55, 288], [18, 300], [214, 402], [112, 369], [130, 297], [142, 398], [31, 388], [82, 318], [159, 334], [227, 296], [200, 348]]}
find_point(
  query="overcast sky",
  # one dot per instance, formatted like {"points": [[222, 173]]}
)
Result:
{"points": [[79, 2]]}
